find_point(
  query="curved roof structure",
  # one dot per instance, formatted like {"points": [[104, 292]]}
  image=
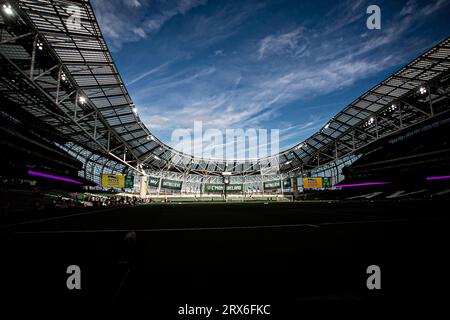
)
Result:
{"points": [[66, 78]]}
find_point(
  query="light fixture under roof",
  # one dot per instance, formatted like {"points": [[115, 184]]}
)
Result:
{"points": [[82, 100], [391, 108], [422, 90], [7, 9], [134, 109], [301, 145], [370, 121]]}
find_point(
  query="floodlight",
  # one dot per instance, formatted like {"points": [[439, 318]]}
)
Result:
{"points": [[422, 90], [82, 100], [370, 121], [7, 9]]}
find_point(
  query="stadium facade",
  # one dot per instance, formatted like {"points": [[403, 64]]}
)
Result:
{"points": [[59, 80]]}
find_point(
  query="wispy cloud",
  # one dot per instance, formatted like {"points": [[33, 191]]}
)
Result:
{"points": [[244, 105], [293, 42], [239, 71], [133, 3], [149, 72], [407, 20], [125, 21]]}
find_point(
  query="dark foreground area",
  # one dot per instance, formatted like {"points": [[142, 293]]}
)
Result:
{"points": [[284, 251]]}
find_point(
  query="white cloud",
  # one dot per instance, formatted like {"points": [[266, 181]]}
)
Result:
{"points": [[183, 78], [293, 42], [149, 72], [433, 7], [133, 3], [134, 21], [154, 23], [247, 106], [140, 32], [409, 8], [155, 121], [239, 91]]}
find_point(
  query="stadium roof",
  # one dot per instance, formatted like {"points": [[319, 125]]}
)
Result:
{"points": [[66, 78]]}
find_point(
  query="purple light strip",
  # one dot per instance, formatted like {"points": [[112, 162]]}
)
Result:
{"points": [[359, 184], [50, 176], [437, 178]]}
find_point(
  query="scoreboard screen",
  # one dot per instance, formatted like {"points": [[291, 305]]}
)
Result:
{"points": [[312, 183]]}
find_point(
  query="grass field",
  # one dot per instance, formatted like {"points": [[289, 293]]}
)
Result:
{"points": [[308, 250]]}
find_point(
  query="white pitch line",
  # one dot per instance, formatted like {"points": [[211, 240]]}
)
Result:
{"points": [[167, 229], [57, 218], [278, 226]]}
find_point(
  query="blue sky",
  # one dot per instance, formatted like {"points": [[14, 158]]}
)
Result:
{"points": [[288, 65]]}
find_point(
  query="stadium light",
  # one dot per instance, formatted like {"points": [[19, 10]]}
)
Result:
{"points": [[301, 145], [82, 100], [134, 109], [63, 77], [7, 9], [39, 45], [422, 90], [327, 125], [370, 121]]}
